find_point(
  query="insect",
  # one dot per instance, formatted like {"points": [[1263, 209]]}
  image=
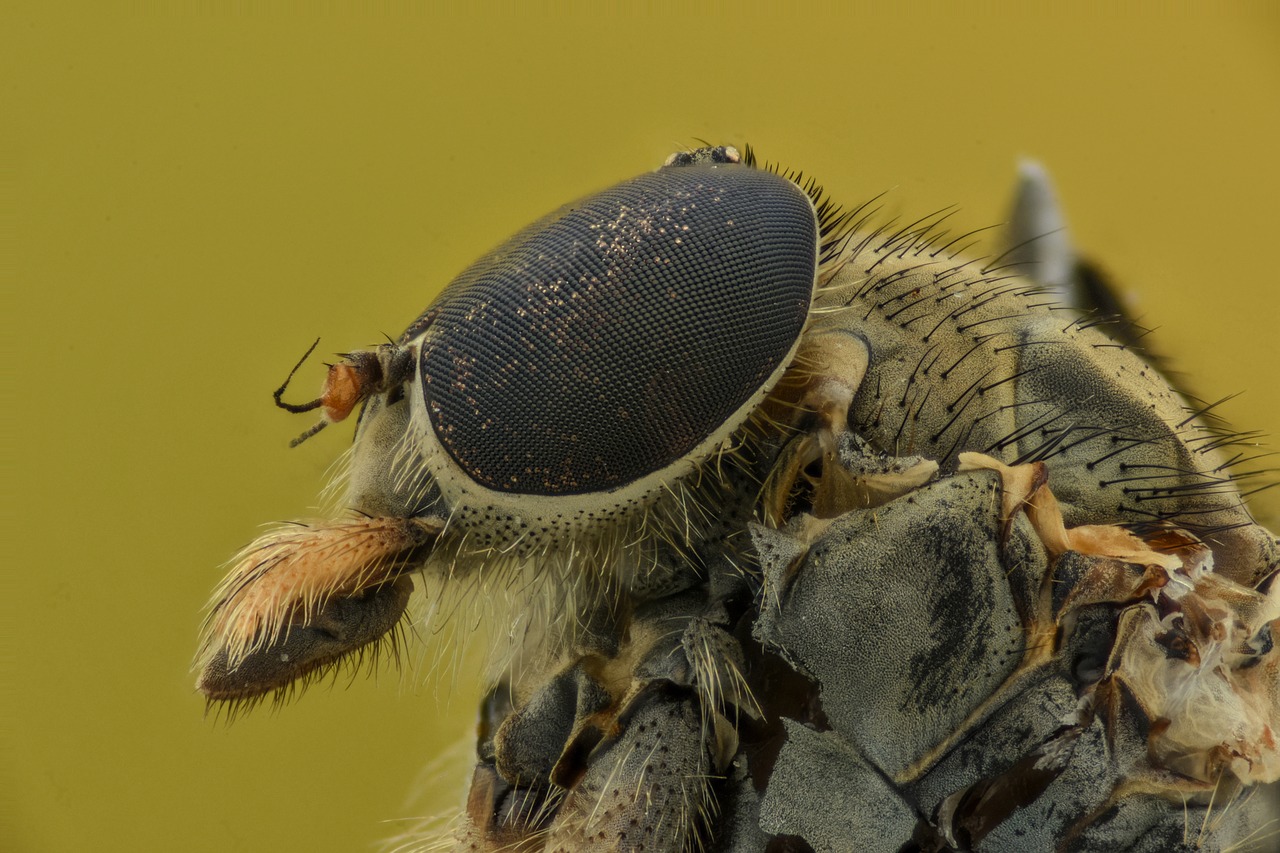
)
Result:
{"points": [[823, 535]]}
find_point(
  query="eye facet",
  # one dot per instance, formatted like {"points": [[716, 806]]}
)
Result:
{"points": [[615, 337]]}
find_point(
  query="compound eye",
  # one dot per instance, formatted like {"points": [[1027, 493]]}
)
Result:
{"points": [[617, 337]]}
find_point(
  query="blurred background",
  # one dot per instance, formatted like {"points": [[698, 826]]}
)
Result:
{"points": [[191, 197]]}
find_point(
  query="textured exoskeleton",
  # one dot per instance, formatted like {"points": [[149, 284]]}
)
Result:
{"points": [[824, 537]]}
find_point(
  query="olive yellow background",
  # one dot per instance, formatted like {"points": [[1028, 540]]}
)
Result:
{"points": [[193, 192]]}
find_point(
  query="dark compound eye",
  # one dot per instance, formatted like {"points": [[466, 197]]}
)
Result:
{"points": [[614, 337]]}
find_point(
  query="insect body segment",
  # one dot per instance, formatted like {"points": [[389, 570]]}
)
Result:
{"points": [[833, 538]]}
